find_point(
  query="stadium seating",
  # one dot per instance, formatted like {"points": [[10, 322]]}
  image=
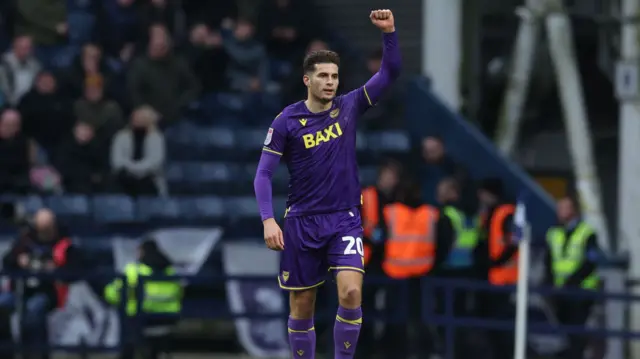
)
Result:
{"points": [[210, 171]]}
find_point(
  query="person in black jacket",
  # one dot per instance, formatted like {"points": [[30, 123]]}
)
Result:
{"points": [[41, 248]]}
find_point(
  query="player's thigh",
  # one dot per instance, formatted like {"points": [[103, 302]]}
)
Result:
{"points": [[303, 266], [346, 249]]}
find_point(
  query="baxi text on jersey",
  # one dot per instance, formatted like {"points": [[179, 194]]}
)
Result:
{"points": [[314, 139]]}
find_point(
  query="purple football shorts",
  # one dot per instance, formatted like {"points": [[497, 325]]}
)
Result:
{"points": [[315, 244]]}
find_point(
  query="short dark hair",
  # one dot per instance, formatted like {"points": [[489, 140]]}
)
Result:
{"points": [[320, 57]]}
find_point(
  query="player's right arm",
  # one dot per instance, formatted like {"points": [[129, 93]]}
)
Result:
{"points": [[274, 145]]}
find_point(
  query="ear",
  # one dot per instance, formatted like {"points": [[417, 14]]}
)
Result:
{"points": [[306, 80]]}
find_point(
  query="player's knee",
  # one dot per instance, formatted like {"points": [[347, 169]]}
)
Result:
{"points": [[350, 295], [302, 304]]}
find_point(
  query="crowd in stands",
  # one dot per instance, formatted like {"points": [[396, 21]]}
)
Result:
{"points": [[88, 88]]}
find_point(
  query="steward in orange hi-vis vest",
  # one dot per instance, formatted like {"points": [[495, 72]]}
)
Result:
{"points": [[410, 248], [496, 223], [502, 251]]}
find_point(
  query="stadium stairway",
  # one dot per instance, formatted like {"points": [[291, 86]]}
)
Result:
{"points": [[469, 147]]}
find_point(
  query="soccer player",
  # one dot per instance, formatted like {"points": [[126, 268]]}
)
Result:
{"points": [[322, 226]]}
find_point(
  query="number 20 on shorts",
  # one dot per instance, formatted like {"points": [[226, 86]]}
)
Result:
{"points": [[351, 243]]}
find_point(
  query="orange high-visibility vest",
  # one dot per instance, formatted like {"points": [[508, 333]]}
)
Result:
{"points": [[508, 273], [370, 218], [410, 248]]}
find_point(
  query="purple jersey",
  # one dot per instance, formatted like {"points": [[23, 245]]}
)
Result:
{"points": [[320, 152], [320, 148]]}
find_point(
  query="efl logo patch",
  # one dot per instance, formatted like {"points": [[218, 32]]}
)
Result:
{"points": [[267, 140]]}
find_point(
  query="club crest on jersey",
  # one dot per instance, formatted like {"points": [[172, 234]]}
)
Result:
{"points": [[267, 140], [303, 121], [334, 113], [314, 139], [285, 276]]}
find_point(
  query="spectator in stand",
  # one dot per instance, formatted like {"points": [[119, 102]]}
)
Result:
{"points": [[387, 113], [249, 67], [18, 70], [138, 155], [208, 58], [162, 79], [282, 25], [46, 22], [18, 154], [103, 115], [438, 167], [46, 112], [117, 27], [212, 13], [82, 161], [43, 248], [89, 62], [156, 12]]}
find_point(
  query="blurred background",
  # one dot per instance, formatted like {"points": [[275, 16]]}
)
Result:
{"points": [[130, 120]]}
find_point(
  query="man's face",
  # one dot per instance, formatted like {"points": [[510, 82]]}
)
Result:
{"points": [[446, 192], [158, 42], [9, 124], [323, 82], [388, 179], [93, 93], [565, 210], [485, 198], [83, 133], [46, 84], [22, 47], [243, 30], [432, 150]]}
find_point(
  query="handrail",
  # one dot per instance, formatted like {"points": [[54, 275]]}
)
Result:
{"points": [[447, 318]]}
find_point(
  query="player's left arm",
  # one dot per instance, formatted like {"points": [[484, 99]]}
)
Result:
{"points": [[369, 94]]}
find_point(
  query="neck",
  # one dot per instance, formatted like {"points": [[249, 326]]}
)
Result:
{"points": [[317, 106]]}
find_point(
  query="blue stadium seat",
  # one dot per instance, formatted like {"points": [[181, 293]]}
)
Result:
{"points": [[157, 208], [389, 142], [182, 132], [229, 102], [202, 208], [206, 172], [252, 139], [174, 172], [242, 207], [113, 209], [210, 137], [361, 141], [31, 203], [69, 205]]}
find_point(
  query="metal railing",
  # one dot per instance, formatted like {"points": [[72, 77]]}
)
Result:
{"points": [[445, 317]]}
